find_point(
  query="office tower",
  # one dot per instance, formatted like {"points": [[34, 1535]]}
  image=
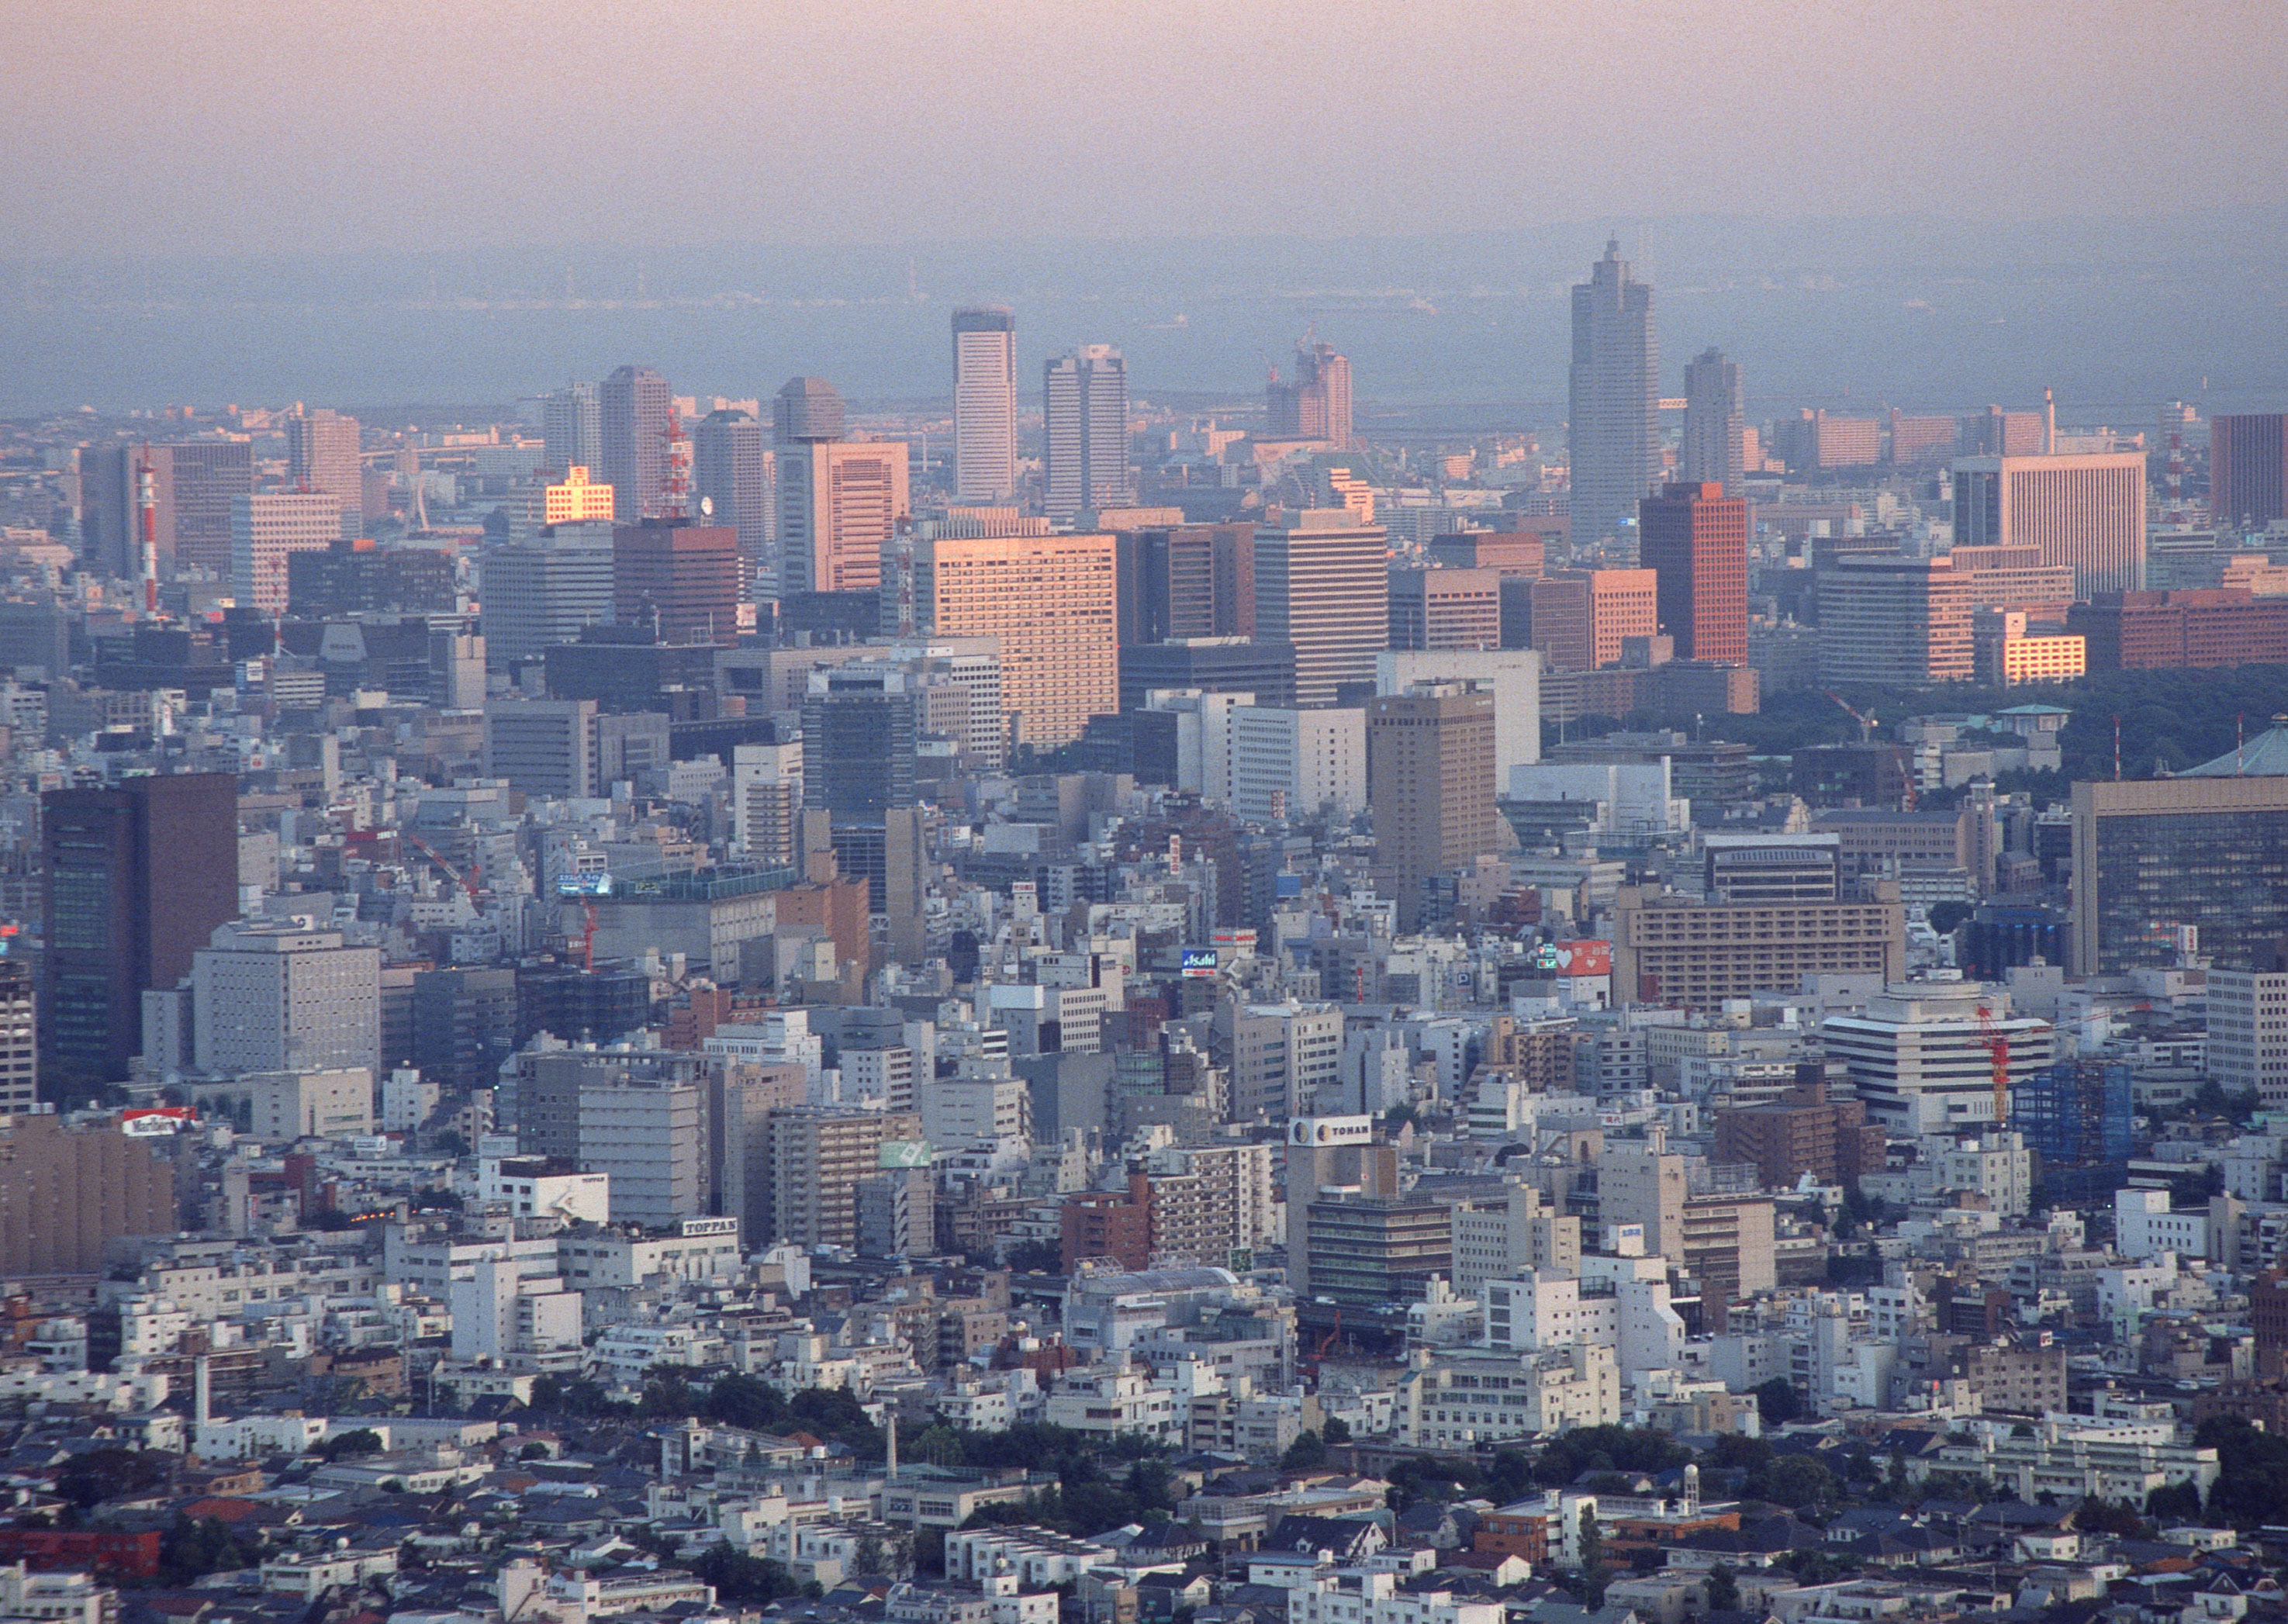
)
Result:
{"points": [[1671, 949], [2165, 867], [543, 590], [1582, 619], [138, 877], [1211, 665], [839, 501], [984, 405], [2213, 626], [634, 410], [1291, 765], [264, 528], [2248, 470], [650, 1133], [2248, 1033], [1813, 440], [19, 1047], [1615, 393], [679, 581], [2015, 579], [1317, 404], [2087, 511], [281, 998], [465, 1022], [359, 578], [1086, 414], [1322, 585], [1444, 608], [1187, 580], [819, 1156], [1918, 1060], [1695, 539], [1050, 600], [322, 454], [572, 427], [1512, 676], [863, 722], [734, 475], [1430, 776], [191, 489], [66, 1190], [1902, 621], [1715, 434], [544, 748]]}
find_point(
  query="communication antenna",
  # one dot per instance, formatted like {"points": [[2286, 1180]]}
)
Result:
{"points": [[676, 499]]}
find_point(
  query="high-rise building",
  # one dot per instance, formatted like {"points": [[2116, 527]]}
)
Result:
{"points": [[572, 427], [1187, 580], [1902, 621], [1581, 620], [2084, 511], [264, 528], [322, 454], [19, 1047], [1317, 404], [1919, 1059], [1444, 608], [1051, 600], [192, 489], [679, 581], [66, 1190], [1615, 395], [358, 578], [1802, 1131], [819, 1156], [767, 800], [1671, 949], [1209, 665], [1512, 676], [2248, 1023], [839, 501], [734, 475], [1430, 776], [2162, 867], [1715, 423], [138, 877], [1322, 585], [281, 998], [985, 404], [862, 724], [1297, 765], [1086, 414], [1695, 538], [465, 1022], [543, 748], [634, 408], [541, 590], [2248, 470], [1340, 1152]]}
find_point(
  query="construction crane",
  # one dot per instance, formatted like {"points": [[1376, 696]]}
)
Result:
{"points": [[1995, 1042], [1326, 1343], [467, 881], [1866, 723]]}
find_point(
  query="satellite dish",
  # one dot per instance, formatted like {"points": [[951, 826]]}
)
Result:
{"points": [[707, 507]]}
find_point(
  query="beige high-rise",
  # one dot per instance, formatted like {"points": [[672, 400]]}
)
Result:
{"points": [[1050, 600], [66, 1190], [1430, 776], [2087, 511]]}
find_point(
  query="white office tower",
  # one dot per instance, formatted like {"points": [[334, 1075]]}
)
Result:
{"points": [[1086, 412], [984, 405], [1919, 1054], [284, 998], [268, 526]]}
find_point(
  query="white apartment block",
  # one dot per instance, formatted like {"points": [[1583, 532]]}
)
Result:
{"points": [[2248, 1032], [284, 998]]}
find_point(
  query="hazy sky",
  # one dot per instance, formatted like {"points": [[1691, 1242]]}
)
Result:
{"points": [[190, 126]]}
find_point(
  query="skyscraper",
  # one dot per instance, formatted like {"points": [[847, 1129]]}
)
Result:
{"points": [[839, 500], [733, 472], [138, 877], [1187, 580], [1430, 772], [679, 580], [1695, 539], [543, 589], [1615, 441], [192, 489], [1715, 422], [1317, 404], [2087, 511], [572, 427], [2248, 468], [1323, 584], [265, 528], [633, 411], [984, 405], [1087, 413], [1050, 600], [322, 454]]}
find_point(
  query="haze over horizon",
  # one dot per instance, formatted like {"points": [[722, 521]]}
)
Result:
{"points": [[393, 209]]}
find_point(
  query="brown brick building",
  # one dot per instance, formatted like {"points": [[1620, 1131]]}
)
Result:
{"points": [[1802, 1131], [65, 1191]]}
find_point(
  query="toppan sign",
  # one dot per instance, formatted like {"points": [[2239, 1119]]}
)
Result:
{"points": [[1199, 962], [1317, 1131]]}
